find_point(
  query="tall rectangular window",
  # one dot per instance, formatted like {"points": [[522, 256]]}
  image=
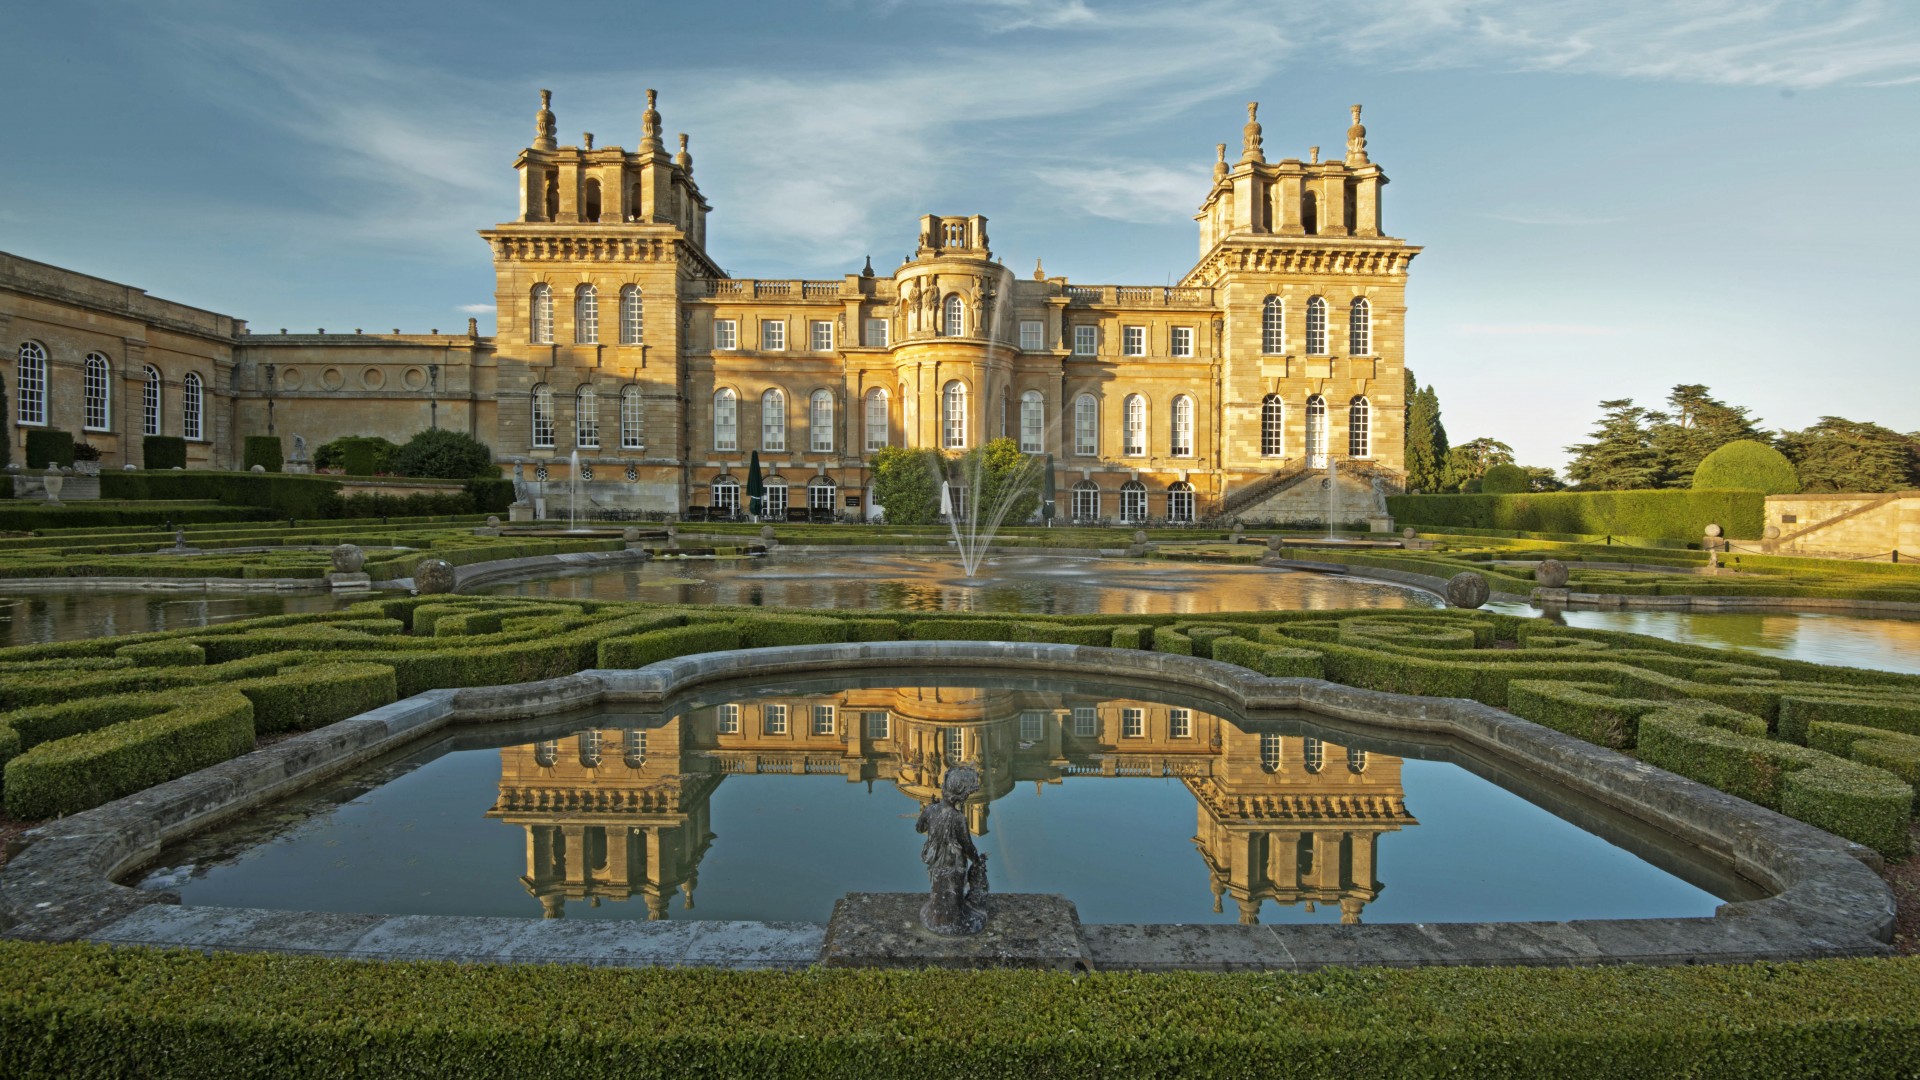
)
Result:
{"points": [[726, 334], [773, 720], [823, 719], [1033, 335], [96, 392], [1086, 722], [820, 422], [1032, 725], [1133, 341], [631, 413], [1033, 422], [150, 403], [1182, 341], [1134, 443], [773, 335], [1086, 426], [30, 379], [877, 724], [821, 334], [542, 426], [586, 419], [1086, 339], [1133, 723], [726, 420], [192, 406], [727, 720], [1180, 723], [876, 424], [876, 333], [1182, 443]]}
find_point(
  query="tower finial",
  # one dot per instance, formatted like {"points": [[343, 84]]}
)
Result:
{"points": [[683, 159], [650, 123], [1220, 163], [1357, 141], [1039, 272], [544, 126], [1250, 135]]}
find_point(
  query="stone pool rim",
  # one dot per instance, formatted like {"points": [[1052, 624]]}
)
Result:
{"points": [[1826, 899]]}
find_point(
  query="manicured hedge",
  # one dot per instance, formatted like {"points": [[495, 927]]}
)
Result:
{"points": [[1747, 465], [182, 732], [40, 517], [261, 450], [653, 646], [315, 695], [1665, 514], [93, 1010], [161, 453], [48, 446]]}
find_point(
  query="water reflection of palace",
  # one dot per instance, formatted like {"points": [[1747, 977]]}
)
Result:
{"points": [[614, 813]]}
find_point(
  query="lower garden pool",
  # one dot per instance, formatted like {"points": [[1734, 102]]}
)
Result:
{"points": [[768, 802]]}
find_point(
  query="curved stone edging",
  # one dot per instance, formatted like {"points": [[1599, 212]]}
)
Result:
{"points": [[1827, 900]]}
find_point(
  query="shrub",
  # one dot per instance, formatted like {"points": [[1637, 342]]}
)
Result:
{"points": [[665, 644], [762, 631], [315, 695], [357, 455], [163, 654], [1747, 465], [906, 484], [1506, 480], [490, 494], [1666, 515], [85, 451], [261, 450], [449, 455], [183, 732], [48, 446], [163, 452]]}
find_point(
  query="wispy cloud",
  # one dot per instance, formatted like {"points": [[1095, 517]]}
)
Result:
{"points": [[1005, 15], [1145, 194], [477, 309], [1536, 330]]}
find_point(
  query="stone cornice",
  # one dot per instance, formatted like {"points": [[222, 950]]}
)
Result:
{"points": [[599, 245], [1284, 256]]}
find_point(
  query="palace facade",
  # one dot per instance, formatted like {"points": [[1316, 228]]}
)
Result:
{"points": [[1279, 353]]}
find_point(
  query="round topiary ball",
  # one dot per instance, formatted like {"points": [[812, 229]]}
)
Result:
{"points": [[1746, 465], [1467, 590], [1505, 480], [348, 559], [433, 576], [1550, 574]]}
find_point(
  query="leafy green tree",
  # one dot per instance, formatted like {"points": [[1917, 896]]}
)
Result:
{"points": [[1838, 454], [1505, 478], [1621, 456], [1426, 448], [906, 484], [1541, 478], [1471, 460], [448, 455], [999, 471], [373, 454], [1693, 425]]}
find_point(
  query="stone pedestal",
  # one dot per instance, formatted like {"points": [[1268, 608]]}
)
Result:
{"points": [[520, 511], [1543, 597], [361, 580], [1380, 523], [1024, 930]]}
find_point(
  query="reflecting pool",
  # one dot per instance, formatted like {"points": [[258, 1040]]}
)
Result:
{"points": [[1846, 640], [32, 618], [1047, 584], [770, 802]]}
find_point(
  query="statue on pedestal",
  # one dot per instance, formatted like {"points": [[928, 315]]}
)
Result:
{"points": [[956, 871]]}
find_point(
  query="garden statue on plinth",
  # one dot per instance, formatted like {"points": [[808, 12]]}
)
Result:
{"points": [[956, 870]]}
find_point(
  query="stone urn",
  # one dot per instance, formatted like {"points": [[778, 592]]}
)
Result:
{"points": [[348, 559], [1550, 574], [1467, 590], [53, 481], [631, 535], [433, 576]]}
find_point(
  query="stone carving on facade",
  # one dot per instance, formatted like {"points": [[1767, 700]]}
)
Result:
{"points": [[956, 870], [910, 305], [546, 128], [1250, 135], [930, 307], [1357, 141]]}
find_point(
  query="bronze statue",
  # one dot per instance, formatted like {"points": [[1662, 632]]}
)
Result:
{"points": [[956, 870]]}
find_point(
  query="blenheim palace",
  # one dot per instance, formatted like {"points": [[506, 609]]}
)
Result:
{"points": [[1278, 355]]}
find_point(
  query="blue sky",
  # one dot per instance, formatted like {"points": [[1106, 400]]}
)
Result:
{"points": [[1613, 198]]}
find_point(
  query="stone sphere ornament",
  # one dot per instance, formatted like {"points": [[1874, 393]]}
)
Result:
{"points": [[1408, 533], [1713, 530], [1274, 543], [1139, 536], [1467, 590], [1551, 574], [348, 559], [493, 521], [258, 469], [631, 535], [766, 533], [433, 576]]}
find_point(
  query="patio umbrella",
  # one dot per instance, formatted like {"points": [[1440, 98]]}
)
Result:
{"points": [[1047, 493], [756, 487], [946, 499]]}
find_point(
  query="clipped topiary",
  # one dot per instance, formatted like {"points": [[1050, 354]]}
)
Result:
{"points": [[49, 446], [261, 450], [1747, 465], [448, 455], [163, 452], [1506, 480]]}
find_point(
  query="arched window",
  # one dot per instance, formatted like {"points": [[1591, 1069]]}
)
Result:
{"points": [[1086, 426], [726, 420], [634, 752], [545, 753], [1356, 760], [31, 382], [956, 322], [1181, 444], [1273, 426], [1033, 422], [1313, 754], [773, 498], [1359, 428], [586, 419], [586, 315], [773, 420], [192, 406], [1133, 441], [632, 410], [1270, 745], [1317, 326], [1310, 213], [95, 387], [632, 323], [1133, 503], [820, 422], [540, 315], [1317, 431], [876, 419], [593, 200], [542, 404], [1273, 327], [1180, 501], [726, 496], [953, 416], [822, 493], [1360, 328], [1086, 501], [150, 401], [589, 741]]}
